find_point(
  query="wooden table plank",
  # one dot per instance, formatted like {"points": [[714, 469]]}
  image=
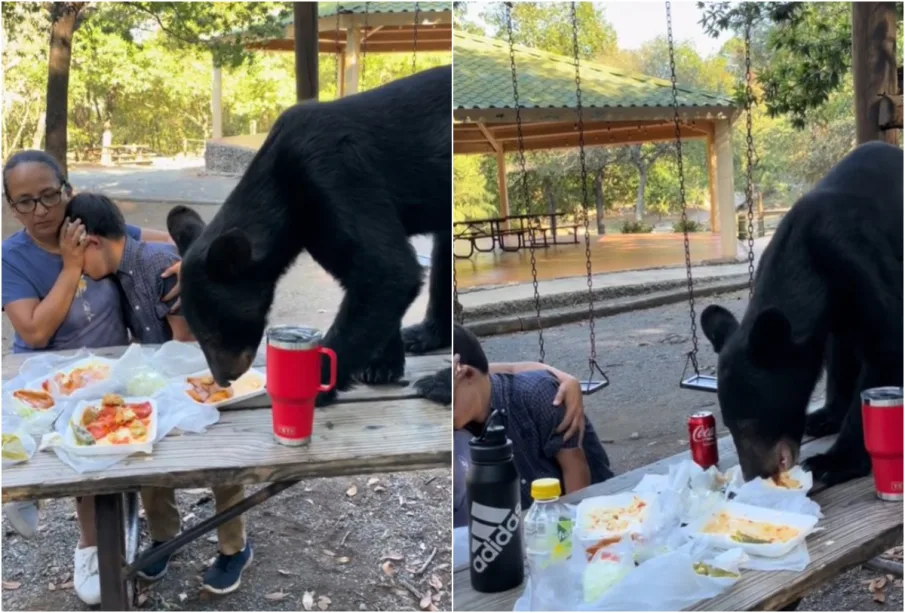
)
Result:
{"points": [[878, 524], [416, 366], [349, 438]]}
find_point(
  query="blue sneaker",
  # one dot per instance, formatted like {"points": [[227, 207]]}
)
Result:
{"points": [[156, 571], [225, 575]]}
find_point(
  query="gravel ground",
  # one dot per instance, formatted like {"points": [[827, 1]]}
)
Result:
{"points": [[641, 415], [311, 538]]}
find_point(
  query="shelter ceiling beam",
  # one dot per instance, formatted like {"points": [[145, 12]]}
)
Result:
{"points": [[621, 114], [490, 138]]}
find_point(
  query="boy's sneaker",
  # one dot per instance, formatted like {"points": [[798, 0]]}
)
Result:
{"points": [[225, 575], [23, 517], [156, 571]]}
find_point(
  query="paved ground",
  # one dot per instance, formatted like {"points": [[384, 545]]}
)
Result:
{"points": [[185, 181], [313, 538], [641, 415]]}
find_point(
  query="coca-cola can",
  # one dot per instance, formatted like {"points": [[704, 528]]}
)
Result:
{"points": [[702, 436]]}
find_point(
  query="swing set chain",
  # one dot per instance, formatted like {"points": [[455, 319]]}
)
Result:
{"points": [[675, 106], [364, 53], [458, 311], [415, 39], [524, 174], [749, 187], [584, 186]]}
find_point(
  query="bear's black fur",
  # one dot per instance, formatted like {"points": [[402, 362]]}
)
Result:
{"points": [[828, 289], [350, 181]]}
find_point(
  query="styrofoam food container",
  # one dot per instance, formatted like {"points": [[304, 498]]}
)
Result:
{"points": [[588, 536], [36, 384], [805, 478], [96, 450], [243, 387], [803, 523]]}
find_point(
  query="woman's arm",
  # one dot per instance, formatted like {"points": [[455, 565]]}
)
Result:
{"points": [[180, 329], [155, 236], [36, 321]]}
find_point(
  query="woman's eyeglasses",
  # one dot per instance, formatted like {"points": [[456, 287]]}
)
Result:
{"points": [[27, 205]]}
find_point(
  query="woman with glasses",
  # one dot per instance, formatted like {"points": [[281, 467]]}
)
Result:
{"points": [[53, 306]]}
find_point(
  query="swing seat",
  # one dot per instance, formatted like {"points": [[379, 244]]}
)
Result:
{"points": [[699, 383], [592, 387]]}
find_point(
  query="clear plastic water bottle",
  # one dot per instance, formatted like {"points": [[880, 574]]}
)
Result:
{"points": [[548, 539]]}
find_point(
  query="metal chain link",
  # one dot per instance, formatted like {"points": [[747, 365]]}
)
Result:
{"points": [[364, 53], [415, 39], [584, 189], [693, 355], [524, 174], [749, 187]]}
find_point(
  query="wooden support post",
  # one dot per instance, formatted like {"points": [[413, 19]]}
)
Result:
{"points": [[725, 183], [873, 66], [305, 40], [712, 179], [352, 58], [503, 188], [217, 103]]}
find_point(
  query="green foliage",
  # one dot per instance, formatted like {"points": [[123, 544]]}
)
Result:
{"points": [[636, 227], [689, 225], [473, 198]]}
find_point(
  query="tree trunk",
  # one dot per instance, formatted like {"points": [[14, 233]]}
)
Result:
{"points": [[63, 16], [642, 185], [551, 204], [39, 132], [305, 29], [873, 66], [598, 194]]}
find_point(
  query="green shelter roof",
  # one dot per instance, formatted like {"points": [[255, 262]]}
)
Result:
{"points": [[325, 9], [483, 80]]}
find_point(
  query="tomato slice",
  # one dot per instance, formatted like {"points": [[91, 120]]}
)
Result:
{"points": [[141, 410], [97, 430]]}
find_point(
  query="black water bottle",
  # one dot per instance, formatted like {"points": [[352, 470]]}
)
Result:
{"points": [[494, 508]]}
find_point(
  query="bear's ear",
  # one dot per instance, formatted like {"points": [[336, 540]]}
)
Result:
{"points": [[229, 256], [185, 226], [718, 325], [771, 337]]}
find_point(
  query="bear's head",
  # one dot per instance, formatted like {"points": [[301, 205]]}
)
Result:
{"points": [[764, 382], [224, 299]]}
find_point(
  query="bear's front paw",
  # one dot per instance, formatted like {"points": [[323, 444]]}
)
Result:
{"points": [[436, 388], [836, 467], [823, 423], [424, 337], [379, 373]]}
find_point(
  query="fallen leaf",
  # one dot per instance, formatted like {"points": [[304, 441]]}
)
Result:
{"points": [[396, 557], [881, 583], [276, 596], [183, 597], [323, 602], [387, 567], [308, 600], [380, 488], [327, 552], [432, 608], [425, 602], [435, 582], [67, 586], [189, 517], [372, 481], [11, 585], [879, 597], [51, 587], [286, 573], [213, 539], [343, 560], [436, 597], [142, 598], [351, 491]]}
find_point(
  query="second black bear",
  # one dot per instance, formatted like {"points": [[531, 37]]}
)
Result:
{"points": [[828, 290], [349, 181]]}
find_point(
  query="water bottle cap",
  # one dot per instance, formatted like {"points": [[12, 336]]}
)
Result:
{"points": [[544, 489], [491, 446]]}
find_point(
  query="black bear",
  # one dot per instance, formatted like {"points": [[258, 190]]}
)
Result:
{"points": [[349, 181], [828, 290]]}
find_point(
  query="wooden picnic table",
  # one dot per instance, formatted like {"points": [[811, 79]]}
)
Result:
{"points": [[368, 429], [857, 526]]}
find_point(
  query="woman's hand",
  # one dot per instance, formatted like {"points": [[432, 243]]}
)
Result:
{"points": [[569, 393], [72, 244], [173, 293]]}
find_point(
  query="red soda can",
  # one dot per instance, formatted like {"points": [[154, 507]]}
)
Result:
{"points": [[881, 411], [702, 435]]}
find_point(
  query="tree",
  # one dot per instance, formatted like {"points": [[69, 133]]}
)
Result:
{"points": [[63, 22], [642, 158]]}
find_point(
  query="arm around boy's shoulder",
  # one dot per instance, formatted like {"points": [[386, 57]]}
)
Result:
{"points": [[158, 257]]}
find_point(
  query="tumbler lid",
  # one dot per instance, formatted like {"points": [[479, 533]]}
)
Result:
{"points": [[293, 337], [493, 445], [882, 397]]}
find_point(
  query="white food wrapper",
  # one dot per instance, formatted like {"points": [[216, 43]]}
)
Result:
{"points": [[173, 360], [11, 424]]}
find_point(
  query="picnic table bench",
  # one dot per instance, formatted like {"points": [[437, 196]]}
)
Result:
{"points": [[526, 229], [856, 527], [368, 430]]}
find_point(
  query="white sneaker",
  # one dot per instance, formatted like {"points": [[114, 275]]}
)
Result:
{"points": [[23, 517], [86, 577]]}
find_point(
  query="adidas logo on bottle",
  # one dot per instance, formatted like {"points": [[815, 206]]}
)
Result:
{"points": [[492, 529]]}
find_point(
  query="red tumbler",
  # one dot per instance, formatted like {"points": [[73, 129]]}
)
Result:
{"points": [[881, 410], [294, 380]]}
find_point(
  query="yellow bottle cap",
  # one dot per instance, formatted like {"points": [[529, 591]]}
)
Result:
{"points": [[544, 489]]}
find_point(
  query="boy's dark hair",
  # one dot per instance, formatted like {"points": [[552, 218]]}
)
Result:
{"points": [[100, 215], [467, 345], [35, 156]]}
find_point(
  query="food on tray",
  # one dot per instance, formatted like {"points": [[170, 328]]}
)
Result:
{"points": [[205, 390], [615, 519], [13, 448], [77, 378], [113, 422], [707, 570], [748, 531], [785, 480], [146, 383], [601, 544], [38, 400]]}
